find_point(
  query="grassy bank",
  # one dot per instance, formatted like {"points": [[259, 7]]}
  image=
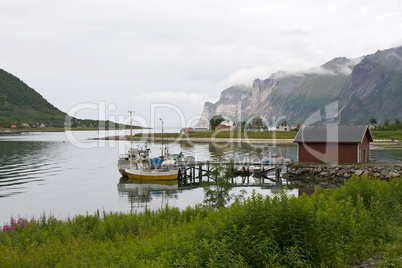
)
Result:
{"points": [[331, 228], [377, 134], [387, 134]]}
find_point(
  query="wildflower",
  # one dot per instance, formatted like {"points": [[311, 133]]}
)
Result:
{"points": [[7, 228], [13, 223]]}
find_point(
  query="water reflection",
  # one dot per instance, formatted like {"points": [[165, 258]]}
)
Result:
{"points": [[386, 153], [139, 194], [25, 162], [253, 152]]}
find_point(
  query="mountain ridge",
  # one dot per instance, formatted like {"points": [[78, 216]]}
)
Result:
{"points": [[359, 87], [19, 104], [22, 106]]}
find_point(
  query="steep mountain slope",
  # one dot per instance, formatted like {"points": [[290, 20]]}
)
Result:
{"points": [[374, 88], [359, 89], [21, 104]]}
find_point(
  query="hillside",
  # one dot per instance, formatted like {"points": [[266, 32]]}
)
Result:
{"points": [[21, 104], [358, 89]]}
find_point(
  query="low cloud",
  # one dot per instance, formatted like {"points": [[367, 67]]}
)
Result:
{"points": [[345, 69], [246, 76]]}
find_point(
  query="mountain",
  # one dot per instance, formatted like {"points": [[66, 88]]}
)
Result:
{"points": [[374, 88], [349, 91], [21, 104]]}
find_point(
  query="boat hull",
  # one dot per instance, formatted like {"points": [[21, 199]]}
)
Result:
{"points": [[152, 176]]}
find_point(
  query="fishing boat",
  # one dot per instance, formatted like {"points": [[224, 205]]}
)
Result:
{"points": [[136, 154], [146, 173], [139, 167]]}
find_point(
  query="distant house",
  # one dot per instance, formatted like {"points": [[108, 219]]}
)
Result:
{"points": [[222, 127], [187, 130], [13, 127], [333, 143], [283, 127]]}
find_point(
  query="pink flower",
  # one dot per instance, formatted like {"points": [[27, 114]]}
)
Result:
{"points": [[7, 228]]}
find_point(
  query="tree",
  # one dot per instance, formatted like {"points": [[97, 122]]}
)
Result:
{"points": [[243, 125], [257, 123], [215, 121], [386, 122], [217, 193], [373, 120], [397, 122]]}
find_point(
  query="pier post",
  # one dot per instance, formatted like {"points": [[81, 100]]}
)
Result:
{"points": [[179, 177], [199, 174], [208, 171]]}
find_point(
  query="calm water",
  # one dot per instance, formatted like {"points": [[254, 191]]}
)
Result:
{"points": [[64, 174]]}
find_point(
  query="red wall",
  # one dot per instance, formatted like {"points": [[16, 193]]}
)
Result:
{"points": [[331, 152], [365, 145]]}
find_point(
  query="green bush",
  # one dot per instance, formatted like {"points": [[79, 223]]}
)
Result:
{"points": [[330, 228]]}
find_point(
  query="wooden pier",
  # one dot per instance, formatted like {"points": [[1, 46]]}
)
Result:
{"points": [[195, 172]]}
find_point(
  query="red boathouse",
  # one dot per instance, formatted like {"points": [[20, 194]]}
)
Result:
{"points": [[333, 143]]}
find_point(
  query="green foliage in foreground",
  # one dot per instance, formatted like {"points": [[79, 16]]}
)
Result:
{"points": [[331, 228]]}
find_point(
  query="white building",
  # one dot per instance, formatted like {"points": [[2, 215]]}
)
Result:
{"points": [[283, 127]]}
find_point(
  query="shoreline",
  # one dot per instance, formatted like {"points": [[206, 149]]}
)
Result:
{"points": [[200, 140], [381, 142], [29, 130]]}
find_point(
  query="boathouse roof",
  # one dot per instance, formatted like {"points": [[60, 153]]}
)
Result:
{"points": [[333, 133]]}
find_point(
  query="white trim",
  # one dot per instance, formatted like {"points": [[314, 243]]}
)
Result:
{"points": [[297, 152]]}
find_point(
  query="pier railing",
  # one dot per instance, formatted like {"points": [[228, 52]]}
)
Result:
{"points": [[194, 172]]}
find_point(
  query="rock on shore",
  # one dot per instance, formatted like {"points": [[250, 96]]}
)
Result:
{"points": [[330, 176]]}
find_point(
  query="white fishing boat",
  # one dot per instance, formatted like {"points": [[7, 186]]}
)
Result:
{"points": [[145, 173], [133, 155], [139, 167]]}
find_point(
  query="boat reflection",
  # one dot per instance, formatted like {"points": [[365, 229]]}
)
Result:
{"points": [[139, 193]]}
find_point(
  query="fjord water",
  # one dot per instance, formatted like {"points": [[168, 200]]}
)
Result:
{"points": [[66, 173]]}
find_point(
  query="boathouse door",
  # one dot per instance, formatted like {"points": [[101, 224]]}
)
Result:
{"points": [[364, 156]]}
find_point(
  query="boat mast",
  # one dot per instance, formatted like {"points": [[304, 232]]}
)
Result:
{"points": [[162, 135], [131, 133]]}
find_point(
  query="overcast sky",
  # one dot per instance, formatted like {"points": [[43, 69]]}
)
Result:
{"points": [[132, 55]]}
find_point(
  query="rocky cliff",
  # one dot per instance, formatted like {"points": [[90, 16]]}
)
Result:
{"points": [[342, 90]]}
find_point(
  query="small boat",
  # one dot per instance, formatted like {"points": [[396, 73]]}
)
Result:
{"points": [[139, 167], [145, 173], [139, 154], [153, 170]]}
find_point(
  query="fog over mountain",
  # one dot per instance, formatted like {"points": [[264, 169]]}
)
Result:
{"points": [[346, 91]]}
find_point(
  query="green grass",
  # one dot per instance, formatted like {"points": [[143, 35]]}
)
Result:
{"points": [[387, 134], [377, 134], [331, 228]]}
